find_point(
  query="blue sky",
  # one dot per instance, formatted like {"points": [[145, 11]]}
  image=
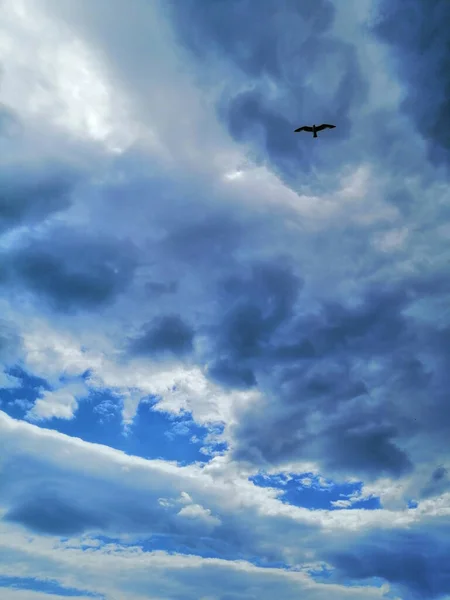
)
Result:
{"points": [[224, 347]]}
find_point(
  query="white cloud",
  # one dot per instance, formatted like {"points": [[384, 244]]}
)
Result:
{"points": [[132, 574], [18, 594], [197, 512], [51, 353], [60, 404], [66, 85], [90, 471], [8, 381]]}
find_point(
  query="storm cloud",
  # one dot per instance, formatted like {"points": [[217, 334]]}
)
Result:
{"points": [[71, 270], [274, 305]]}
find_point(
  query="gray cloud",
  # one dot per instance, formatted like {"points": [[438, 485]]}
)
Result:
{"points": [[52, 515], [29, 194], [205, 240], [64, 500], [9, 123], [416, 560], [367, 418], [71, 270], [293, 44], [302, 350], [420, 50], [224, 26], [10, 342], [438, 483], [168, 333], [360, 386], [253, 308], [158, 288]]}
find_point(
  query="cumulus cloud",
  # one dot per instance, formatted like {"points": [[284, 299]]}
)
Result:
{"points": [[60, 403]]}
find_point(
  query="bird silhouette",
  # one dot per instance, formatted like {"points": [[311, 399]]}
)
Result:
{"points": [[314, 129]]}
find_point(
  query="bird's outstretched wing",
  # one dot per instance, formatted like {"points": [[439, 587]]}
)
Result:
{"points": [[305, 128], [325, 126]]}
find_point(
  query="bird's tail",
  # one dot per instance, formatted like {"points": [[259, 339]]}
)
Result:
{"points": [[315, 134]]}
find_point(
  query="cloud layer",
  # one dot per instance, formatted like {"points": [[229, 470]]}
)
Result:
{"points": [[176, 262]]}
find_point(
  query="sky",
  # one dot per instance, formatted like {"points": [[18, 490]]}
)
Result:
{"points": [[224, 346]]}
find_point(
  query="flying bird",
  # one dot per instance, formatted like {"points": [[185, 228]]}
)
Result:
{"points": [[314, 129]]}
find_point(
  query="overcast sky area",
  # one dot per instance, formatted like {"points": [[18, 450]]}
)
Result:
{"points": [[224, 346]]}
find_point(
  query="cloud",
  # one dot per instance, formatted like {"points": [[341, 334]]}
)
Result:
{"points": [[32, 192], [437, 484], [60, 403], [420, 52], [167, 334], [255, 306], [158, 288], [312, 70], [71, 270], [399, 557], [10, 342], [18, 594], [65, 497], [196, 512], [51, 515], [108, 569], [332, 379], [55, 485], [223, 27], [295, 288]]}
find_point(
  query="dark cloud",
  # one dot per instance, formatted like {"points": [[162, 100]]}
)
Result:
{"points": [[438, 483], [167, 333], [250, 118], [415, 559], [10, 342], [73, 504], [247, 33], [356, 395], [50, 514], [418, 34], [71, 270], [158, 288], [10, 125], [292, 43], [204, 240], [58, 501], [362, 445], [29, 194], [253, 307]]}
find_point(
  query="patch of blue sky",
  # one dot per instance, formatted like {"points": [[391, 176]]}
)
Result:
{"points": [[98, 419], [320, 573], [154, 434], [45, 586], [309, 491], [16, 401]]}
